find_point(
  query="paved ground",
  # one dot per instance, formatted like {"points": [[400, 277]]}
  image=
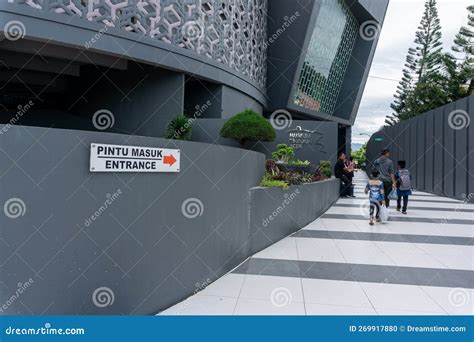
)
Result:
{"points": [[419, 264]]}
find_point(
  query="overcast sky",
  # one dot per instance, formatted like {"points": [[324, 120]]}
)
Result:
{"points": [[398, 33]]}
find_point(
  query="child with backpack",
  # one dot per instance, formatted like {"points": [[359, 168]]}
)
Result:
{"points": [[403, 178], [375, 189]]}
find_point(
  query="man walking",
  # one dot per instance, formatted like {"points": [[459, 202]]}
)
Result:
{"points": [[340, 171], [384, 165]]}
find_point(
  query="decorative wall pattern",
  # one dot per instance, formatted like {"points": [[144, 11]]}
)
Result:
{"points": [[327, 57], [231, 32]]}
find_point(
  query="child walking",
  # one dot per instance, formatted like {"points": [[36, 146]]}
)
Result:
{"points": [[376, 193], [403, 178]]}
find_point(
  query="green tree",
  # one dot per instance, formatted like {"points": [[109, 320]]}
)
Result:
{"points": [[464, 44], [359, 156], [422, 78]]}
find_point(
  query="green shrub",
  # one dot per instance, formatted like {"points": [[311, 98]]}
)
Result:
{"points": [[248, 126], [325, 164], [268, 182], [300, 162], [283, 153], [326, 172], [180, 128]]}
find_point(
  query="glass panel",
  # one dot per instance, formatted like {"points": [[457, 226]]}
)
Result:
{"points": [[327, 58]]}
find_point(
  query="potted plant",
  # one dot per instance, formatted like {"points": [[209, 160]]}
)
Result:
{"points": [[180, 128], [283, 154]]}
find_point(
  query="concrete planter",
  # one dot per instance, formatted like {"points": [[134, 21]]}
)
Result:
{"points": [[178, 224], [276, 213]]}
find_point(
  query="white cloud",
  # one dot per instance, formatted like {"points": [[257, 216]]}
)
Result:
{"points": [[398, 32]]}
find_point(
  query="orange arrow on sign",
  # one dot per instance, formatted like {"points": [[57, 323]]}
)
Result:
{"points": [[170, 160]]}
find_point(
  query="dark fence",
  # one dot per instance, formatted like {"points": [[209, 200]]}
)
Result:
{"points": [[438, 147]]}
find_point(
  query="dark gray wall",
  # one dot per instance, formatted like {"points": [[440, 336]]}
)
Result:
{"points": [[276, 213], [142, 246], [142, 100], [207, 130], [440, 157], [234, 101]]}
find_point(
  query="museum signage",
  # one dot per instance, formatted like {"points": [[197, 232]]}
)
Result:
{"points": [[117, 158], [299, 138]]}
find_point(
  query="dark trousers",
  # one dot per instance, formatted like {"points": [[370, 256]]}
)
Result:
{"points": [[387, 188], [346, 186], [374, 206], [405, 202]]}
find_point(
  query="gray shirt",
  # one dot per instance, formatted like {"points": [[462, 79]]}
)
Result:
{"points": [[385, 166]]}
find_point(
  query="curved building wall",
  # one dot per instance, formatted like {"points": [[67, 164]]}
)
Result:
{"points": [[230, 32]]}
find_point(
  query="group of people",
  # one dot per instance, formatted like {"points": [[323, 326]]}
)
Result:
{"points": [[344, 170], [385, 183]]}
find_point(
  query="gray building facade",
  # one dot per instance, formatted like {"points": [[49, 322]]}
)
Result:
{"points": [[148, 61]]}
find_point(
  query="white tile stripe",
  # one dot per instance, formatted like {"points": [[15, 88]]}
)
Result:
{"points": [[257, 294]]}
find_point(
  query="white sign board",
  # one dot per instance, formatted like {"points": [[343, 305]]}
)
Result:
{"points": [[117, 158]]}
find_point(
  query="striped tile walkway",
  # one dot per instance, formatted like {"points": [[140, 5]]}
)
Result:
{"points": [[418, 264]]}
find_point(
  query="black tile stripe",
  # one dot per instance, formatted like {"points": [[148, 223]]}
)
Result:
{"points": [[459, 210], [360, 190], [358, 272], [365, 197], [401, 219], [341, 235]]}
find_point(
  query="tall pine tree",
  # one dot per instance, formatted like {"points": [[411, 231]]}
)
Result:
{"points": [[419, 90], [464, 44]]}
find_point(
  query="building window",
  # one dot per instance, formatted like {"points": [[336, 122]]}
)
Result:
{"points": [[327, 57]]}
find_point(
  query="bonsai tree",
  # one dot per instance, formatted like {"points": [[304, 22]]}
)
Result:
{"points": [[180, 128], [283, 154], [248, 126]]}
